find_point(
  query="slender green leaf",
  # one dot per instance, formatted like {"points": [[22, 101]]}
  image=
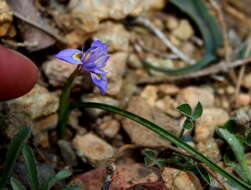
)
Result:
{"points": [[197, 111], [238, 150], [188, 124], [30, 163], [61, 175], [16, 184], [204, 174], [149, 153], [64, 104], [14, 150], [209, 30], [168, 136], [185, 109], [207, 24]]}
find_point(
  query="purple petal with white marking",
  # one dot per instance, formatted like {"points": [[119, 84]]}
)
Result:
{"points": [[100, 80], [72, 56]]}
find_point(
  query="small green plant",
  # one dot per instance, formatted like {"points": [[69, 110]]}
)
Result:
{"points": [[151, 159], [191, 116], [18, 145], [236, 158]]}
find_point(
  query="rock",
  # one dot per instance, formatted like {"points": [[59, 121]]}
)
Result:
{"points": [[91, 12], [149, 93], [27, 9], [38, 103], [207, 123], [179, 180], [91, 180], [210, 149], [164, 63], [242, 100], [41, 127], [149, 186], [67, 152], [109, 127], [192, 95], [243, 115], [11, 121], [188, 49], [139, 134], [247, 81], [5, 19], [128, 175], [149, 41], [58, 71], [77, 37], [168, 123], [168, 105], [168, 89], [171, 22], [46, 123], [92, 148], [114, 35], [115, 67], [134, 62], [99, 99], [125, 176], [184, 31]]}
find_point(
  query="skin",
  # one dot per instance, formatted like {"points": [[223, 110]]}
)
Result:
{"points": [[18, 74]]}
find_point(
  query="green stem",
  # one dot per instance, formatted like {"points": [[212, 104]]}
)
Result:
{"points": [[182, 132], [170, 137], [64, 103]]}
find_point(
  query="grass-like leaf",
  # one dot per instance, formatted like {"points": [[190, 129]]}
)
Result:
{"points": [[204, 174], [168, 136], [16, 184], [30, 163], [206, 23], [14, 150], [238, 150], [209, 30]]}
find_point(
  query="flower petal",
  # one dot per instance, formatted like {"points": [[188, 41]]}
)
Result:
{"points": [[100, 80], [72, 56], [99, 44], [101, 61]]}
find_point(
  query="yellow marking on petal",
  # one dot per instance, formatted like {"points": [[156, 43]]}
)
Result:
{"points": [[77, 56], [98, 76]]}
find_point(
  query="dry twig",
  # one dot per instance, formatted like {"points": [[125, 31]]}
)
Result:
{"points": [[147, 23], [43, 28], [221, 67]]}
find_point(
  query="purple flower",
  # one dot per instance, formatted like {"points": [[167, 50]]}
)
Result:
{"points": [[92, 61]]}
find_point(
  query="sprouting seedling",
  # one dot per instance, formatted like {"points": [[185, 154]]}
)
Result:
{"points": [[191, 116], [151, 159], [91, 62]]}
